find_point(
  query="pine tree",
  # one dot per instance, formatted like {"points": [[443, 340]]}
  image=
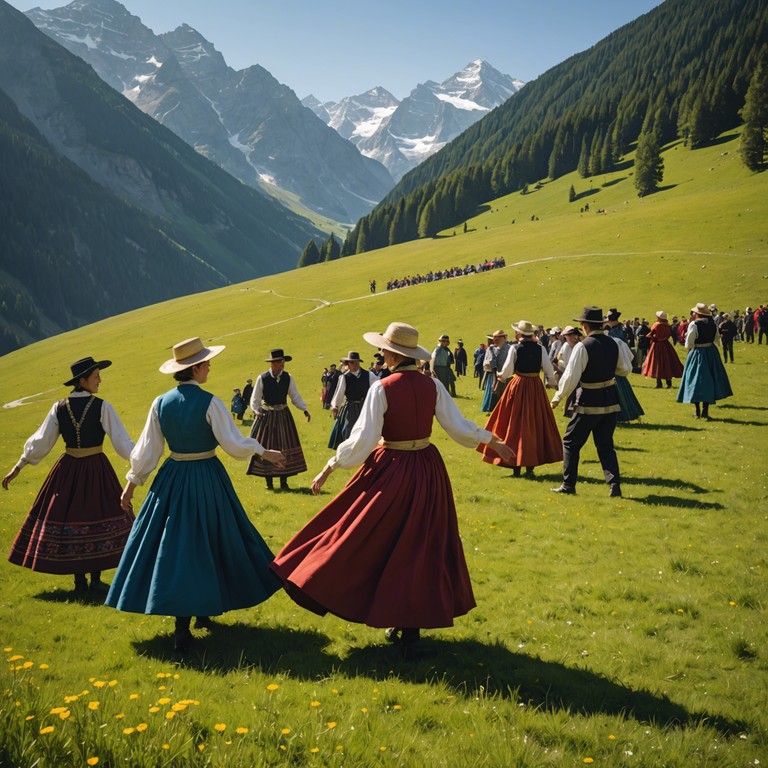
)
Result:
{"points": [[428, 220], [754, 136], [583, 166], [331, 249], [649, 165], [310, 255], [571, 194], [362, 237]]}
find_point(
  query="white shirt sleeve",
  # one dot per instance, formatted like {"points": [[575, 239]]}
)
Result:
{"points": [[546, 366], [372, 379], [293, 393], [624, 363], [463, 431], [572, 374], [258, 391], [339, 392], [118, 434], [148, 451], [691, 335], [227, 434], [508, 369], [41, 443]]}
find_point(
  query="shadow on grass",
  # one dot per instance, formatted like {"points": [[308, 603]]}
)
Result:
{"points": [[69, 596], [663, 482], [726, 406], [657, 427], [467, 667], [740, 422], [676, 501]]}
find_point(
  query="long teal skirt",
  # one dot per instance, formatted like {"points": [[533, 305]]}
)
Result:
{"points": [[704, 377], [630, 405], [192, 550]]}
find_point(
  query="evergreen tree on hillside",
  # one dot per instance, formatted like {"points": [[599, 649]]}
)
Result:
{"points": [[583, 166], [310, 255], [649, 165], [571, 194], [428, 222], [755, 114], [362, 236], [331, 249]]}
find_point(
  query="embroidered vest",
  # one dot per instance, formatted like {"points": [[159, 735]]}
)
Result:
{"points": [[86, 430]]}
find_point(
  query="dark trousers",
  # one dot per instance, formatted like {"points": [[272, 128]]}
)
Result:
{"points": [[727, 349], [601, 427]]}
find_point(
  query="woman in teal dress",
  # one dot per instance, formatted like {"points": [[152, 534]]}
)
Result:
{"points": [[192, 551]]}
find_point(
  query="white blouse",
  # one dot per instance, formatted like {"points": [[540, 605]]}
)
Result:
{"points": [[508, 369], [367, 430], [150, 446], [293, 393], [39, 445], [341, 386]]}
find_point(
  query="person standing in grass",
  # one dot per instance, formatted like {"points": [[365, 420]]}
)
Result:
{"points": [[630, 408], [728, 333], [193, 551], [441, 362], [522, 417], [591, 372], [348, 398], [76, 525], [662, 361], [493, 362], [704, 380], [460, 356], [386, 550], [273, 425]]}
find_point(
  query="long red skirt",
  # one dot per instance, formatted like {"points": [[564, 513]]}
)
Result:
{"points": [[662, 362], [524, 421], [386, 551], [76, 524]]}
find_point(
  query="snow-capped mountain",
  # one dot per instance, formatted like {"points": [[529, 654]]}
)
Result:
{"points": [[402, 134], [246, 121]]}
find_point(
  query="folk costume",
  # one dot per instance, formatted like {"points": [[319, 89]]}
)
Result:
{"points": [[704, 377], [630, 408], [386, 550], [348, 399], [523, 418], [192, 551], [441, 362], [493, 362], [460, 356], [75, 525], [662, 361], [274, 426], [592, 371]]}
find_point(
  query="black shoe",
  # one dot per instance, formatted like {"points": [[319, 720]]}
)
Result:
{"points": [[403, 635], [270, 487], [516, 471], [529, 472], [81, 584], [283, 483], [564, 489], [205, 622], [182, 640], [658, 385], [98, 587], [615, 490]]}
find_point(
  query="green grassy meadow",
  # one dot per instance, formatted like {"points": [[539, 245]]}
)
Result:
{"points": [[613, 632]]}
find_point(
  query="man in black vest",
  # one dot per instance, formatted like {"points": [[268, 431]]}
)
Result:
{"points": [[590, 371], [348, 398]]}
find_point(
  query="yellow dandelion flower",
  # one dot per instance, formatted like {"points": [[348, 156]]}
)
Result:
{"points": [[7, 650], [397, 706], [242, 731], [450, 697], [154, 709], [43, 666], [128, 731], [160, 687], [229, 741], [315, 749], [382, 749], [314, 704], [57, 710], [29, 717], [272, 687], [339, 748], [112, 683], [160, 675], [164, 700], [612, 738], [220, 727], [47, 729], [285, 731], [187, 702], [730, 602], [176, 676], [364, 710], [283, 747], [27, 665], [170, 715], [588, 760], [133, 696], [334, 690], [331, 725], [92, 761], [99, 684], [166, 746], [84, 693], [93, 705], [65, 714], [70, 699], [680, 610], [180, 707], [119, 716], [141, 727], [17, 657], [201, 747]]}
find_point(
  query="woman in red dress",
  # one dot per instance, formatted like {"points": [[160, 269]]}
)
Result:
{"points": [[386, 550], [523, 417], [662, 361]]}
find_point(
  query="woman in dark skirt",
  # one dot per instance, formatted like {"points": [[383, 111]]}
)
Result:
{"points": [[662, 361], [386, 550], [193, 551], [76, 525]]}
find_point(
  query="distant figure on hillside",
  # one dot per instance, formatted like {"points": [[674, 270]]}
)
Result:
{"points": [[247, 392], [493, 362], [238, 405], [273, 425], [441, 362], [373, 286], [705, 380], [478, 357], [460, 358], [662, 361], [76, 525], [348, 398], [728, 333]]}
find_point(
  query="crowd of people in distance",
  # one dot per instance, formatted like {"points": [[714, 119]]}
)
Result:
{"points": [[192, 550], [430, 277]]}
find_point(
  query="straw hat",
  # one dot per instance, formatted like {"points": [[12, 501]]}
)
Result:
{"points": [[662, 315], [400, 338], [82, 369], [702, 309], [188, 353], [444, 337], [556, 329], [351, 357], [525, 328], [570, 329]]}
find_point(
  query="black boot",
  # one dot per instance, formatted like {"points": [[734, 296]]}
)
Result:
{"points": [[97, 585], [81, 584], [669, 383], [283, 483], [529, 472], [658, 383], [516, 471], [697, 414], [270, 487], [182, 637], [705, 412]]}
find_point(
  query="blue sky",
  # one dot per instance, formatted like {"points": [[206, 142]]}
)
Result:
{"points": [[337, 48]]}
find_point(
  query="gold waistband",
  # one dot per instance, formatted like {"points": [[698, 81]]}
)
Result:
{"points": [[81, 453], [267, 407], [193, 456], [405, 445], [527, 375], [706, 344], [597, 384]]}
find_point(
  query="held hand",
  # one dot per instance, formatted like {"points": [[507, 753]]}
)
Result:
{"points": [[554, 403], [12, 475], [126, 500], [334, 412], [309, 418], [274, 457], [504, 451], [319, 481]]}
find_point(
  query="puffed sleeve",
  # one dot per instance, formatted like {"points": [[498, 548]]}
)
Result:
{"points": [[148, 451], [118, 434], [228, 436], [463, 431], [41, 443], [293, 394], [546, 366]]}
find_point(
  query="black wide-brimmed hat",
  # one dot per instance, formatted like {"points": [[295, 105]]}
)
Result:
{"points": [[590, 315], [277, 354], [613, 315], [352, 357], [82, 369]]}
